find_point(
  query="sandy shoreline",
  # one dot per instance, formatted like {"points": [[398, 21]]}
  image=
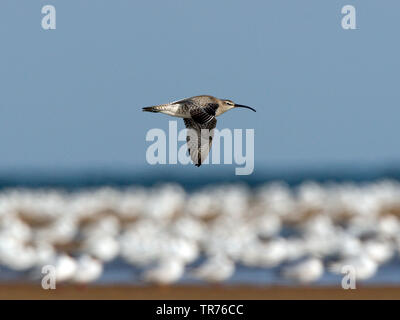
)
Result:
{"points": [[23, 291]]}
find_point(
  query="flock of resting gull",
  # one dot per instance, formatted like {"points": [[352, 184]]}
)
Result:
{"points": [[166, 232]]}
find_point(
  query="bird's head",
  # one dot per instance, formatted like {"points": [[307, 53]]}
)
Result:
{"points": [[229, 104]]}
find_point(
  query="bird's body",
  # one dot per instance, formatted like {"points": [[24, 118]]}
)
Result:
{"points": [[88, 269], [304, 271], [199, 114], [215, 269], [168, 270], [183, 108]]}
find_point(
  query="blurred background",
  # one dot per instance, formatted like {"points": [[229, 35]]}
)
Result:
{"points": [[77, 193]]}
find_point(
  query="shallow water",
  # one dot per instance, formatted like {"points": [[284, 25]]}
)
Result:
{"points": [[120, 272]]}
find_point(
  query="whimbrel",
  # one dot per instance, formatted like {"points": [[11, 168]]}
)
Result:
{"points": [[199, 114]]}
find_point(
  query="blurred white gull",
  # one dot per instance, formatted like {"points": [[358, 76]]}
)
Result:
{"points": [[104, 226], [267, 225], [201, 204], [44, 253], [65, 266], [277, 198], [89, 204], [104, 248], [379, 250], [145, 228], [305, 271], [311, 196], [141, 243], [265, 254], [388, 226], [295, 248], [185, 250], [39, 205], [320, 225], [320, 235], [189, 228], [87, 270], [349, 198], [348, 245], [61, 231], [229, 236], [167, 271], [163, 202], [233, 200], [16, 255], [84, 205], [13, 227], [367, 204], [360, 226], [215, 269], [386, 193], [131, 203]]}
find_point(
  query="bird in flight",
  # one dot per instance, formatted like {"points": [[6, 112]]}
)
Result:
{"points": [[199, 114]]}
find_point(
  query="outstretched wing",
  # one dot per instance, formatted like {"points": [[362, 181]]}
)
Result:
{"points": [[199, 139]]}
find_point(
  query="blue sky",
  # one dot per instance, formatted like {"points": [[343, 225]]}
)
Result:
{"points": [[72, 97]]}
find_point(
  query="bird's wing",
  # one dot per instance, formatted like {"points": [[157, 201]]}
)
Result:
{"points": [[203, 114], [199, 139]]}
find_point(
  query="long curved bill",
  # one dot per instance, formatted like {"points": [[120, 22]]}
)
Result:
{"points": [[242, 106]]}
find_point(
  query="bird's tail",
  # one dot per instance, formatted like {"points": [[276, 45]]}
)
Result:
{"points": [[152, 109], [159, 108]]}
